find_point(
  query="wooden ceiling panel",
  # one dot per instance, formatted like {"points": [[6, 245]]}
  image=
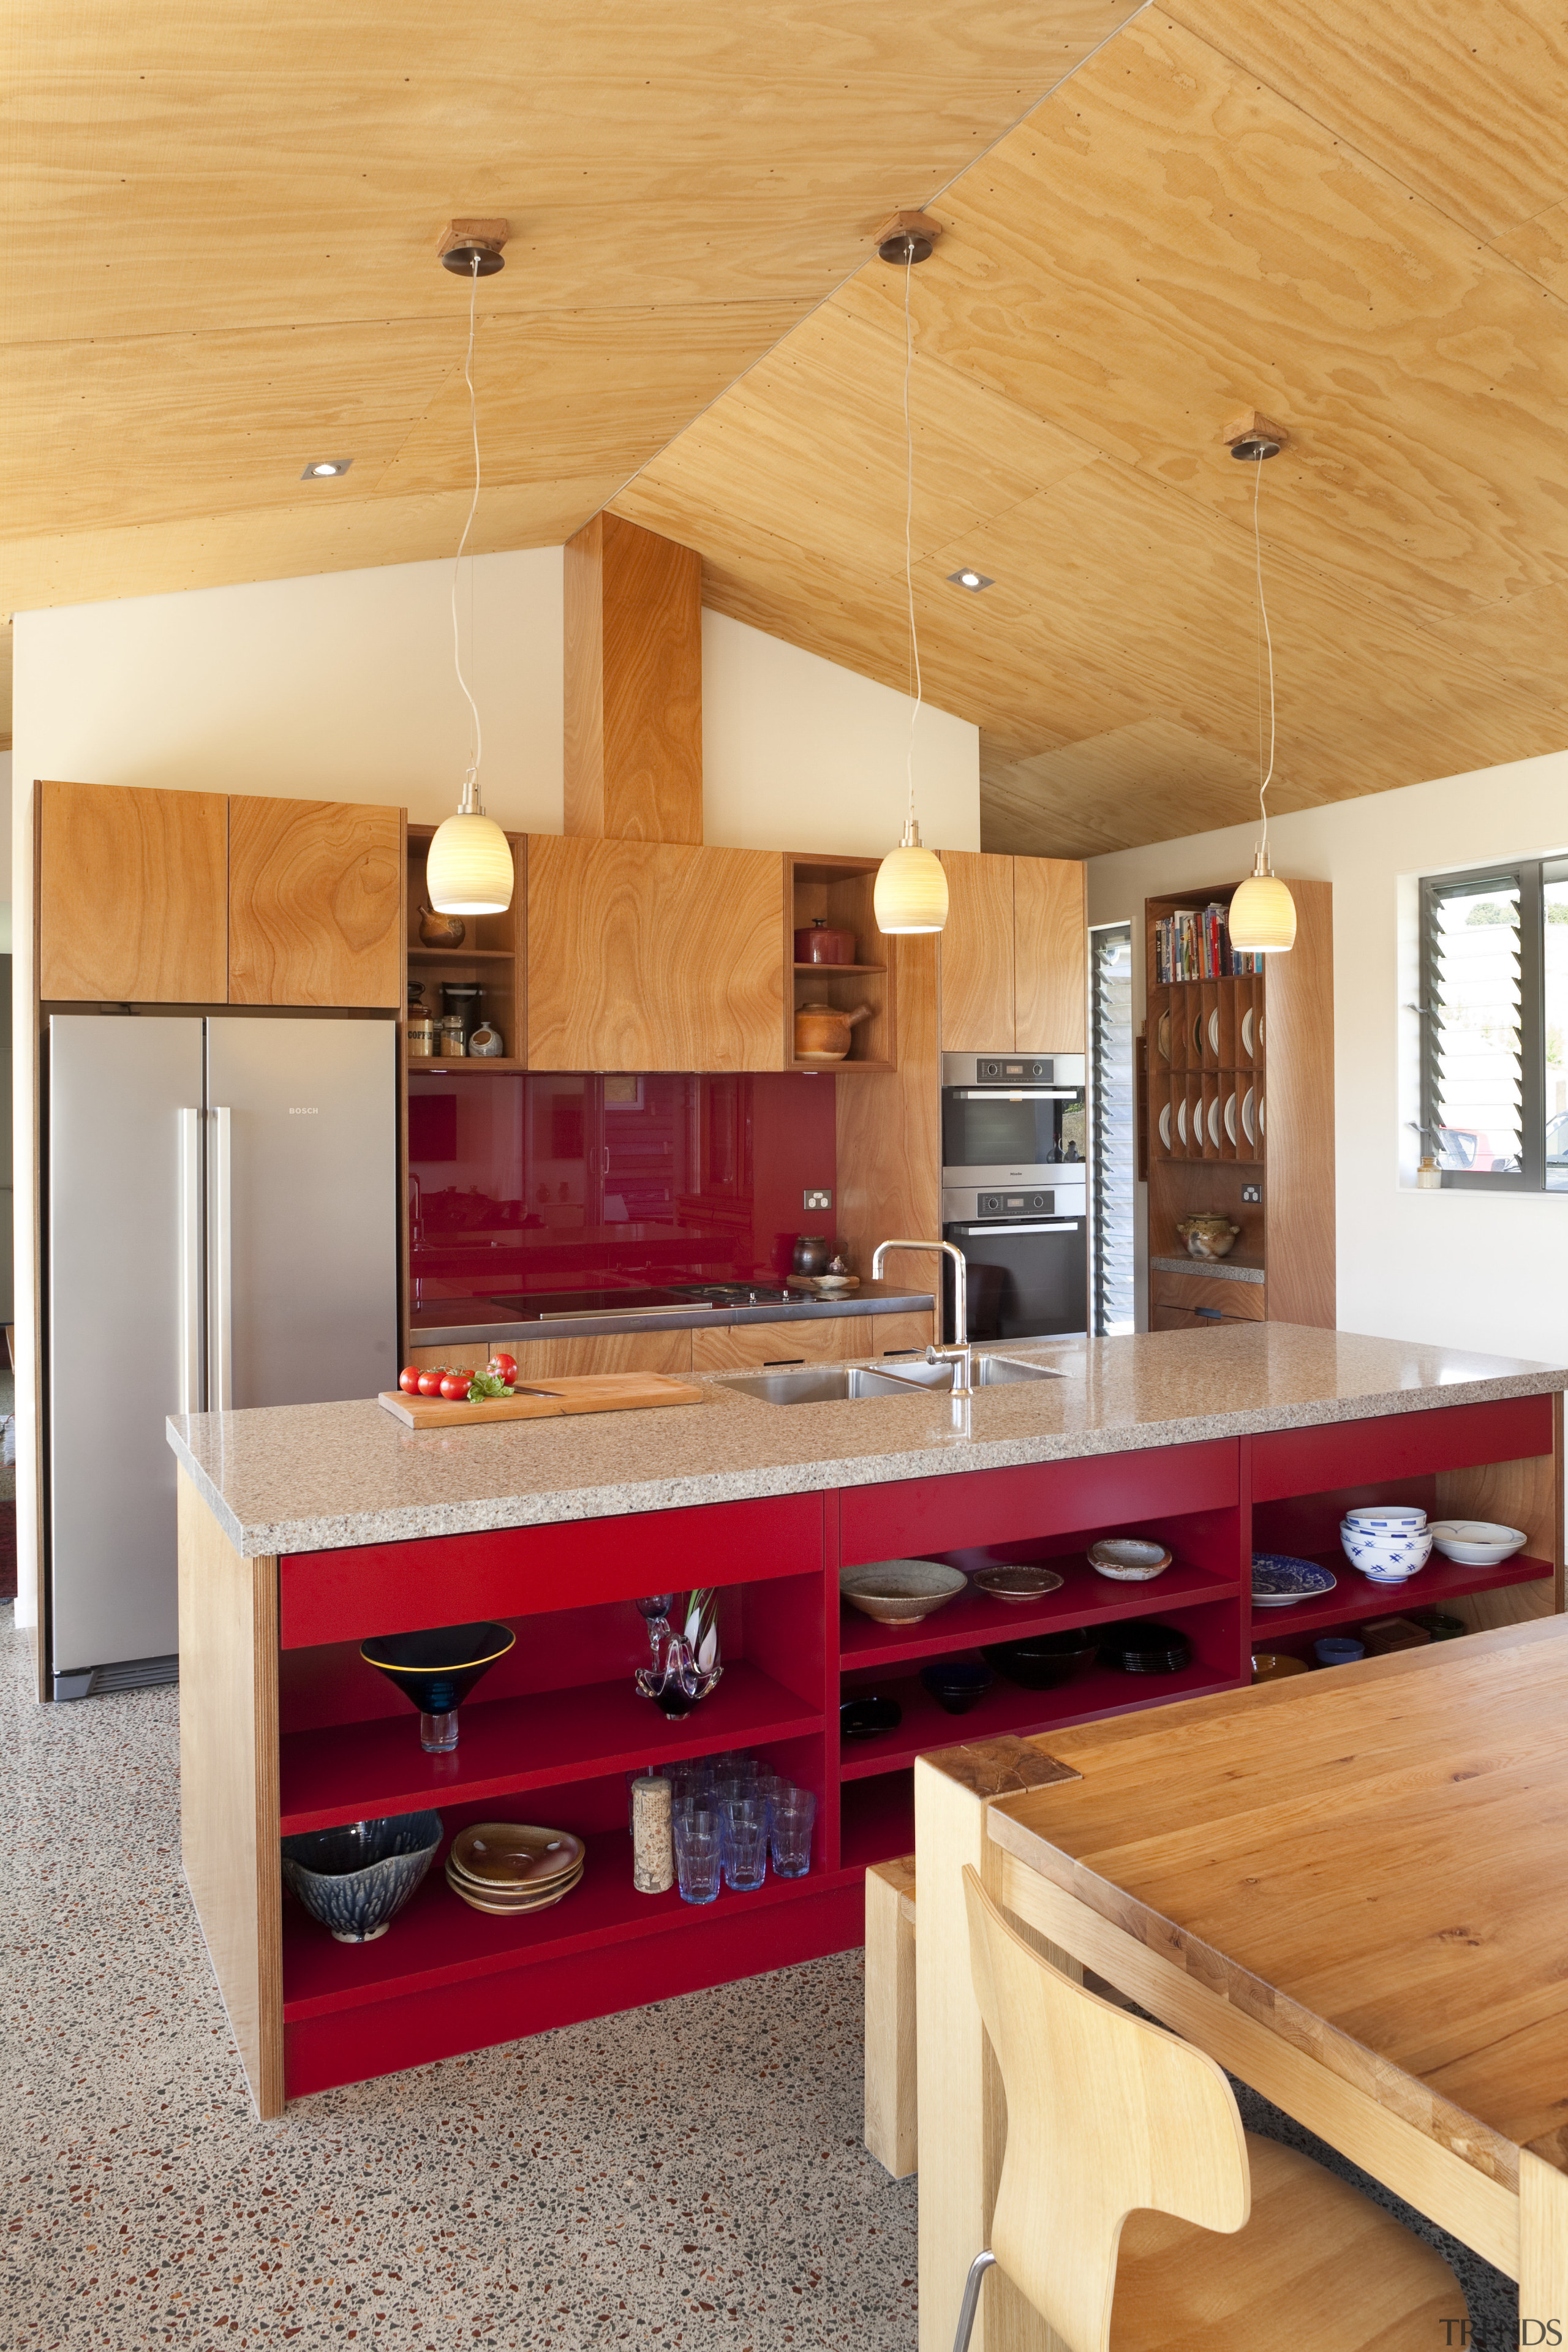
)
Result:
{"points": [[1149, 781]]}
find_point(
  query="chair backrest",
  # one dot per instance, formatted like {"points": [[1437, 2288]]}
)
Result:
{"points": [[1106, 2116]]}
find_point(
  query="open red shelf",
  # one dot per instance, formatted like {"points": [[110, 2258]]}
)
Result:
{"points": [[877, 1821], [359, 1771], [439, 1942], [1102, 1690], [973, 1619], [1356, 1596]]}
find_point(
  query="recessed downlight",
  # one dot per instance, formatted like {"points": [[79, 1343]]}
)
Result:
{"points": [[322, 469], [974, 580]]}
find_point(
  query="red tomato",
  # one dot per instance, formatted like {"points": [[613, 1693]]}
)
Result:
{"points": [[455, 1385], [504, 1367], [430, 1381], [408, 1379]]}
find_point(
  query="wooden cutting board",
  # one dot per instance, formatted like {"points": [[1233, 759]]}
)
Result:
{"points": [[545, 1400]]}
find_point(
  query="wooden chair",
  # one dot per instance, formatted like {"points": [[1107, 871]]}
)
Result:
{"points": [[1125, 2149]]}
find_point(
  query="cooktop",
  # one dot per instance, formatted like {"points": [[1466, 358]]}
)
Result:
{"points": [[547, 1306]]}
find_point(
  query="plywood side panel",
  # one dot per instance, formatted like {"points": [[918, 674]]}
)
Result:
{"points": [[1050, 956], [976, 955], [1298, 1082], [652, 686], [652, 956], [889, 1129], [228, 1782], [132, 904], [316, 910]]}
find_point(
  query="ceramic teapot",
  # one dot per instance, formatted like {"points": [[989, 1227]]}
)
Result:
{"points": [[822, 1031]]}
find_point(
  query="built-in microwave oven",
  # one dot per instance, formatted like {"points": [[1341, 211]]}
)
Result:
{"points": [[1015, 1192]]}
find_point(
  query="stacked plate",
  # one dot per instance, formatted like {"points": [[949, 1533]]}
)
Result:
{"points": [[1139, 1647], [504, 1867]]}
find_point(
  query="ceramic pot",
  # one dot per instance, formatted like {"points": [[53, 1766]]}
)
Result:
{"points": [[822, 1031], [810, 1255], [1208, 1237], [818, 944], [487, 1043], [441, 930]]}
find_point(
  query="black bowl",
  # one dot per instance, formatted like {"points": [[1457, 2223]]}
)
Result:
{"points": [[437, 1668], [957, 1684], [1042, 1660], [863, 1718], [1139, 1646]]}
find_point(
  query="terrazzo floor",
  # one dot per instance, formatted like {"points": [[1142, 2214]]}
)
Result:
{"points": [[687, 2175]]}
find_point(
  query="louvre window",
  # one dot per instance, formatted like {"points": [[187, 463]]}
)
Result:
{"points": [[1494, 1024], [1113, 1128]]}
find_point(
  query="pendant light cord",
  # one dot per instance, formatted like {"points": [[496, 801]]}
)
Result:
{"points": [[476, 739], [909, 515], [1268, 642]]}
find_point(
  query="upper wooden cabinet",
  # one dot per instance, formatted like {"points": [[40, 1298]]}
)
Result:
{"points": [[155, 898], [646, 955], [315, 903], [132, 896], [1014, 955]]}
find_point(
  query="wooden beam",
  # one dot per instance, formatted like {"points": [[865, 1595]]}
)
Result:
{"points": [[634, 684]]}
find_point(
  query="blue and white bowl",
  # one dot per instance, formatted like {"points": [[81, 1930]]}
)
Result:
{"points": [[1386, 1518], [355, 1879], [1388, 1556]]}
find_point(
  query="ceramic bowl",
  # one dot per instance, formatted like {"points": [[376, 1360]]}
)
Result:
{"points": [[1042, 1660], [1337, 1650], [1126, 1559], [355, 1879], [863, 1718], [437, 1668], [1275, 1667], [900, 1592], [1387, 1518], [1208, 1237], [1476, 1543], [957, 1684], [1386, 1558], [1017, 1585]]}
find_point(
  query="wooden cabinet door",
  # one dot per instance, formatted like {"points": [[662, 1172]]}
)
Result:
{"points": [[132, 894], [555, 1359], [315, 903], [648, 955], [976, 954], [746, 1346], [898, 1334], [1051, 955]]}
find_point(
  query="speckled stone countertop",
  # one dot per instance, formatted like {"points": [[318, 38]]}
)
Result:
{"points": [[322, 1478]]}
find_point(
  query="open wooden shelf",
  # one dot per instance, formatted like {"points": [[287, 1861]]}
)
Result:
{"points": [[357, 1771], [841, 889], [840, 967], [453, 1066], [973, 1620], [1356, 1596], [459, 955]]}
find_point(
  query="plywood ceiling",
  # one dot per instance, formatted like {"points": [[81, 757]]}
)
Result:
{"points": [[1352, 214], [221, 258]]}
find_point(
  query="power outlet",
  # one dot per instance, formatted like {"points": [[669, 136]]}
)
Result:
{"points": [[1251, 1195], [817, 1199]]}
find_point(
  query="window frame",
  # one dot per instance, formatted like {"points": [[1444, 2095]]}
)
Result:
{"points": [[1122, 932], [1528, 875]]}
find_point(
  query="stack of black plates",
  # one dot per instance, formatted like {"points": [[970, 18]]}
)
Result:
{"points": [[1139, 1647]]}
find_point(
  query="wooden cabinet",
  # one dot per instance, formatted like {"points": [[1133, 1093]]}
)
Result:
{"points": [[555, 1360], [745, 1347], [840, 892], [1014, 955], [132, 894], [646, 955], [315, 896], [1208, 1295], [898, 1334]]}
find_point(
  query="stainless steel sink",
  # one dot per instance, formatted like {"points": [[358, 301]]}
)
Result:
{"points": [[836, 1383]]}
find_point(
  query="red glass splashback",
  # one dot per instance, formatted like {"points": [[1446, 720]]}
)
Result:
{"points": [[562, 1182]]}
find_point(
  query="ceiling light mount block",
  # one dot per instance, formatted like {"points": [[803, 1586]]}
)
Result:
{"points": [[1252, 437], [908, 237], [461, 240]]}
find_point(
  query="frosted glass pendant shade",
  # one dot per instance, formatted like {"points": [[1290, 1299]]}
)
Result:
{"points": [[911, 893], [1262, 915], [468, 868]]}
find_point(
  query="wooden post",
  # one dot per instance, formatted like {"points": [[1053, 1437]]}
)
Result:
{"points": [[962, 2121], [1543, 2250], [634, 684], [891, 2069], [228, 1782]]}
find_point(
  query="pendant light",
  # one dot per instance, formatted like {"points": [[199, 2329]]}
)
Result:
{"points": [[469, 869], [911, 892], [1262, 911]]}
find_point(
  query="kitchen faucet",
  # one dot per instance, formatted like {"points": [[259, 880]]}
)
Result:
{"points": [[957, 1355]]}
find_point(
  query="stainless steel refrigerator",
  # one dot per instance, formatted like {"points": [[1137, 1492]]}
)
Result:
{"points": [[221, 1231]]}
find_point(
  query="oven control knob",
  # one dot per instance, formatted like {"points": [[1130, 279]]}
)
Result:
{"points": [[1040, 1201], [1039, 1070], [990, 1069], [990, 1204]]}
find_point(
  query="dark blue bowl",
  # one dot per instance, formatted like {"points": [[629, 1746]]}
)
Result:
{"points": [[957, 1684], [356, 1878], [437, 1669]]}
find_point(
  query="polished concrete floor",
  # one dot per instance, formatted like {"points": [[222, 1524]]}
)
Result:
{"points": [[687, 2175]]}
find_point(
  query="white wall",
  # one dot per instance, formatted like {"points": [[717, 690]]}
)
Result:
{"points": [[1467, 1269], [341, 687]]}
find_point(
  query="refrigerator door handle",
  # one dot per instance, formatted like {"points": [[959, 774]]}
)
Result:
{"points": [[220, 1268], [190, 1368]]}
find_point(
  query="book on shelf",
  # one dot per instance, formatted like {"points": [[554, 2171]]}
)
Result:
{"points": [[1194, 944]]}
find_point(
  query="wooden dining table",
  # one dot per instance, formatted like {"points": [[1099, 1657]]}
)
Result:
{"points": [[1350, 1888]]}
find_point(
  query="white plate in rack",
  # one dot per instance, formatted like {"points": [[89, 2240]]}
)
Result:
{"points": [[1262, 1121], [1182, 1121], [1230, 1118], [1248, 1126], [1214, 1123], [1246, 1032], [1163, 1036], [1165, 1125], [1213, 1033]]}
